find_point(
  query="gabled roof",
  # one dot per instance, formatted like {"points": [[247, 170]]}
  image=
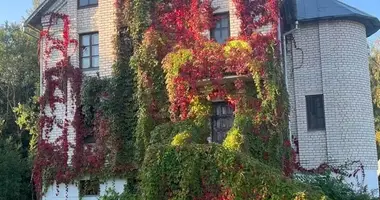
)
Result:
{"points": [[311, 10], [34, 19]]}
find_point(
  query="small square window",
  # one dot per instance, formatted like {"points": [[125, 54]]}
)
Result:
{"points": [[315, 112], [89, 54], [222, 121], [89, 188], [221, 32], [87, 3]]}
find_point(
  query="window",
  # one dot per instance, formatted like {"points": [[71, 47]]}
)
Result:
{"points": [[315, 112], [221, 32], [87, 3], [89, 188], [222, 121], [89, 54]]}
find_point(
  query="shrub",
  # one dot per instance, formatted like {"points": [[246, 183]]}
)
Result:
{"points": [[334, 187], [164, 134], [13, 171], [181, 139], [199, 171]]}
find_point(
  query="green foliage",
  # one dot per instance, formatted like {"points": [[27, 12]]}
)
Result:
{"points": [[257, 145], [113, 98], [335, 187], [239, 138], [14, 172], [164, 134], [27, 119], [375, 86], [19, 74], [94, 90], [123, 109], [234, 140], [181, 139], [111, 194], [193, 171], [151, 94]]}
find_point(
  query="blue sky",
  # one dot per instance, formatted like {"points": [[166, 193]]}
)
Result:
{"points": [[15, 10]]}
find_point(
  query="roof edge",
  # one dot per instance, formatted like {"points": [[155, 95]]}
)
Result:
{"points": [[33, 19], [372, 24]]}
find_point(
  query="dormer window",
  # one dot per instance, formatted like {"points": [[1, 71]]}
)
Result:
{"points": [[87, 3], [89, 54], [221, 32]]}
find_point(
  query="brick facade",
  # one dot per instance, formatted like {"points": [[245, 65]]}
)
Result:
{"points": [[83, 20]]}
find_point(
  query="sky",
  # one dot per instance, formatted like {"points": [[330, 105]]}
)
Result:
{"points": [[15, 10]]}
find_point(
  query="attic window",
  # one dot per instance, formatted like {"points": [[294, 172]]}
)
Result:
{"points": [[87, 3]]}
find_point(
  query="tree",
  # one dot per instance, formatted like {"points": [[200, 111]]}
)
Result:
{"points": [[375, 86], [14, 172], [19, 73]]}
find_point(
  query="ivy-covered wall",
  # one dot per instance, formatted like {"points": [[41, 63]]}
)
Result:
{"points": [[150, 121]]}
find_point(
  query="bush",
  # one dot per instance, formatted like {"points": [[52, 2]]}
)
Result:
{"points": [[164, 134], [199, 171], [14, 172], [335, 187]]}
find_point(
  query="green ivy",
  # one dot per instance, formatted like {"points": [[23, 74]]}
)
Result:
{"points": [[191, 171], [164, 134]]}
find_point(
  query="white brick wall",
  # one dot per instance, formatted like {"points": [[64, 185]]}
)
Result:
{"points": [[73, 193], [95, 19], [332, 59]]}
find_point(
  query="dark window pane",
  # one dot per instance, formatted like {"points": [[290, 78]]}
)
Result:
{"points": [[95, 61], [222, 121], [218, 24], [85, 63], [85, 40], [95, 50], [83, 2], [95, 38], [85, 51], [224, 22], [221, 32], [225, 34], [92, 2], [315, 112]]}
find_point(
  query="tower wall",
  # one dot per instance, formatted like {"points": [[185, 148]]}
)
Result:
{"points": [[331, 58]]}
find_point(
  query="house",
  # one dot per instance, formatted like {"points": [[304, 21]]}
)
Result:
{"points": [[326, 68]]}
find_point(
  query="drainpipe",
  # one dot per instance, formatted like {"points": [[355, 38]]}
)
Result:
{"points": [[286, 70]]}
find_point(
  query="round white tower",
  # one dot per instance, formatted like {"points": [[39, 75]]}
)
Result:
{"points": [[327, 65]]}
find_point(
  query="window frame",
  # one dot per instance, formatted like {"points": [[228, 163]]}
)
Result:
{"points": [[214, 28], [88, 5], [310, 108], [214, 117], [90, 49]]}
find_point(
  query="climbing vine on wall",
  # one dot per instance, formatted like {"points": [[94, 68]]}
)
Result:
{"points": [[62, 83]]}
